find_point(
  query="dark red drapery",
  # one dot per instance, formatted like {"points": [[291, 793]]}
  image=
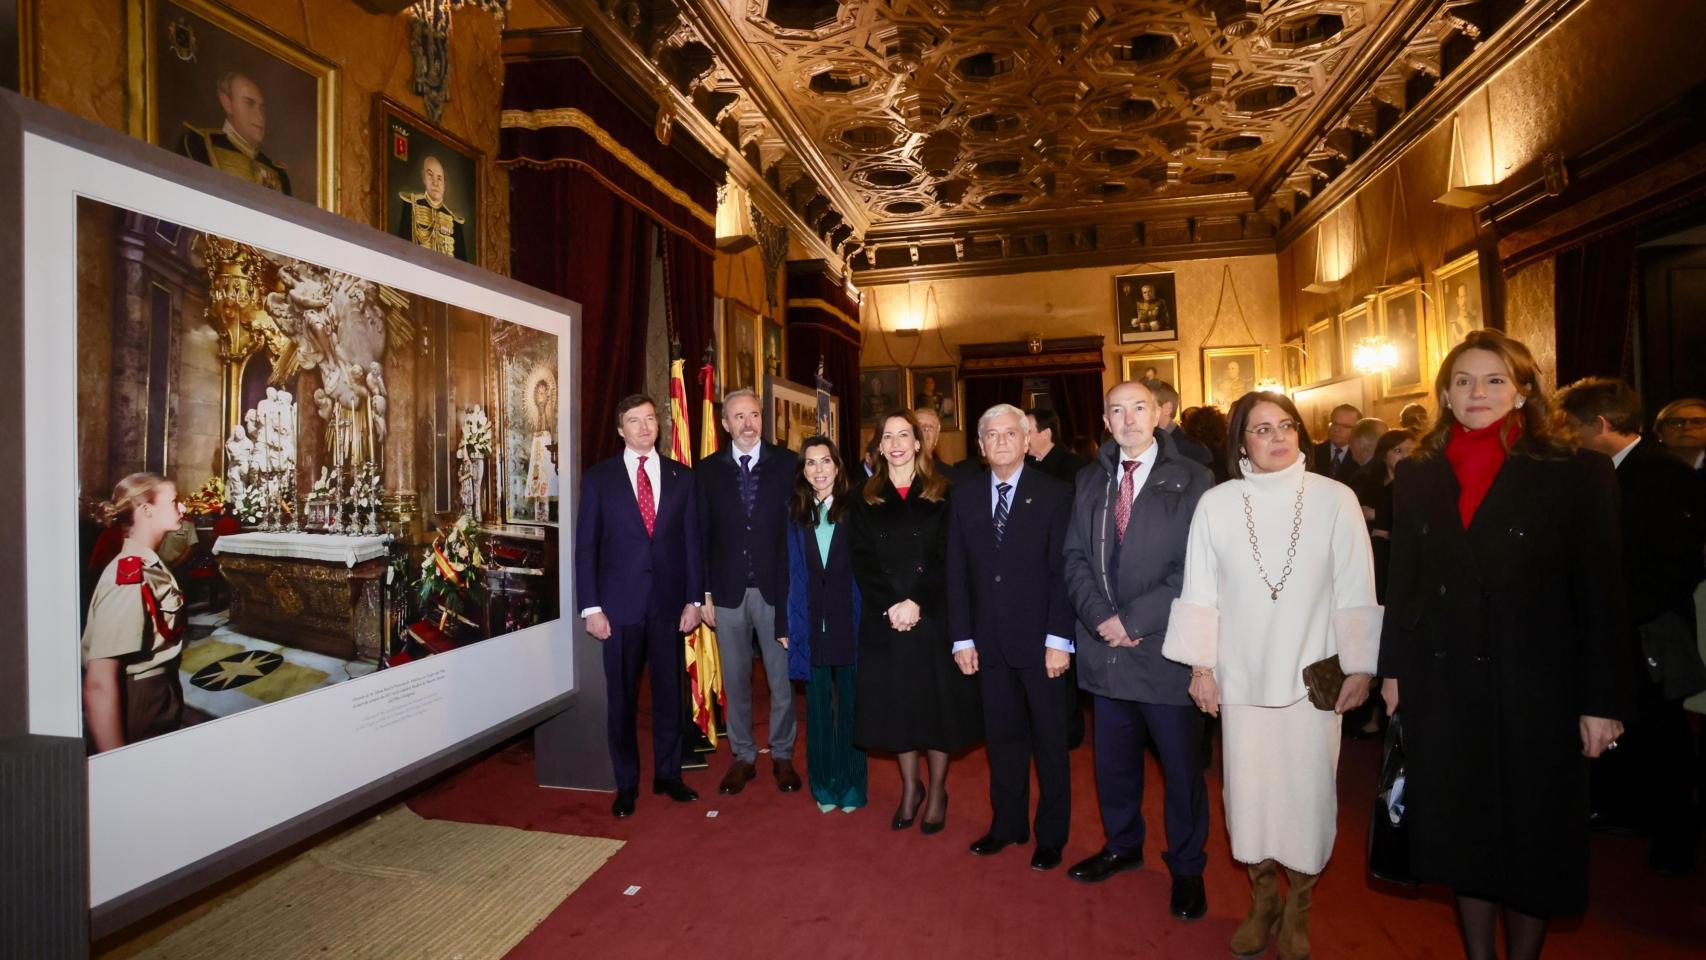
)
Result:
{"points": [[588, 245], [689, 295], [823, 324]]}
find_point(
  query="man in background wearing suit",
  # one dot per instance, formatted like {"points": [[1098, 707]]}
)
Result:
{"points": [[1332, 456], [743, 499], [1167, 399], [1648, 782], [637, 580], [1009, 619], [1047, 453], [1125, 565]]}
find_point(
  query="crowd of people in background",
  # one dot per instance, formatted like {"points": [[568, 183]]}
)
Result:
{"points": [[1512, 577]]}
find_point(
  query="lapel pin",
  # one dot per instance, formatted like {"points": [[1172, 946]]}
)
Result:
{"points": [[1027, 499]]}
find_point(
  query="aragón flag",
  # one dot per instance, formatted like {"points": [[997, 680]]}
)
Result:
{"points": [[704, 667]]}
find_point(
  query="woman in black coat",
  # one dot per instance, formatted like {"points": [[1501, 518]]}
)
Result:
{"points": [[911, 696], [1504, 633]]}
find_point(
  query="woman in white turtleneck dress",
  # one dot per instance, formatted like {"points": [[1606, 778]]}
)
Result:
{"points": [[1248, 620]]}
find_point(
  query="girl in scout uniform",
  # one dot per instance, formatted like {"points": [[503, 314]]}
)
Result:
{"points": [[132, 638]]}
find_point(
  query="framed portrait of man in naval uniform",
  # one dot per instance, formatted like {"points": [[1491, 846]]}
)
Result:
{"points": [[228, 92], [429, 183]]}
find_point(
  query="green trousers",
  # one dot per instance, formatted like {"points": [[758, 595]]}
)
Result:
{"points": [[835, 767]]}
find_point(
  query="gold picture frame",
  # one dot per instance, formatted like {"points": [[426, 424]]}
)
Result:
{"points": [[168, 28], [937, 387], [1323, 350], [1229, 372], [396, 160], [1460, 302], [1166, 364], [1352, 325], [1404, 321]]}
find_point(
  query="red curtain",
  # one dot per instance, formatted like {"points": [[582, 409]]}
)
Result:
{"points": [[578, 239], [688, 296], [823, 324]]}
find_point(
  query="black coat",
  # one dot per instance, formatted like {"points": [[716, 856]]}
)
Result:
{"points": [[1061, 464], [1188, 445], [911, 694], [1501, 637], [1151, 572], [1009, 597], [732, 538], [1664, 527]]}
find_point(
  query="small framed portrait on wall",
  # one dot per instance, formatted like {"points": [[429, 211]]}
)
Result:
{"points": [[228, 92], [740, 340], [1228, 373], [1150, 366], [1355, 324], [1459, 299], [879, 393], [935, 388], [429, 183], [1402, 322], [1323, 352], [772, 348], [1294, 365], [1146, 307]]}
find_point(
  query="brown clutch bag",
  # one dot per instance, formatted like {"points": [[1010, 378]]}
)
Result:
{"points": [[1323, 679]]}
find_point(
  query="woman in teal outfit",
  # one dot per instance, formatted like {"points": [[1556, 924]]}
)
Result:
{"points": [[823, 624]]}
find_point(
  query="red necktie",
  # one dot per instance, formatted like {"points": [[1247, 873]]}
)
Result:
{"points": [[648, 505], [1122, 509]]}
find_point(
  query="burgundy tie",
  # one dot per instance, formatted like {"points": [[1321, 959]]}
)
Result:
{"points": [[648, 505], [1122, 509]]}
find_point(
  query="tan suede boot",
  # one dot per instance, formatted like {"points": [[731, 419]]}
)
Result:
{"points": [[1251, 937], [1294, 928]]}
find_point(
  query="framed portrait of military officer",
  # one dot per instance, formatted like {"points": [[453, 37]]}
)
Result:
{"points": [[429, 183], [228, 92]]}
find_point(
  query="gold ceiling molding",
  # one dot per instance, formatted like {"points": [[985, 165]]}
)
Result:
{"points": [[578, 120]]}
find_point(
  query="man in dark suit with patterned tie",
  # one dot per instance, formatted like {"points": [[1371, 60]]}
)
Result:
{"points": [[1009, 619], [1332, 456], [743, 493], [638, 581]]}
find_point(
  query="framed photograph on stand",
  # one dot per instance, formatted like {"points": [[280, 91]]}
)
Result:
{"points": [[225, 91], [1228, 373]]}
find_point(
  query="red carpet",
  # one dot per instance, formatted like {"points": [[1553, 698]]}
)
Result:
{"points": [[771, 876]]}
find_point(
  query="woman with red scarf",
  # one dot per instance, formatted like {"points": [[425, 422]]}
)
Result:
{"points": [[1504, 633]]}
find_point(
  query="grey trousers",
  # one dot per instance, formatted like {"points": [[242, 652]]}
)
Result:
{"points": [[735, 626]]}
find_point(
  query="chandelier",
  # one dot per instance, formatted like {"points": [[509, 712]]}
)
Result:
{"points": [[1374, 355]]}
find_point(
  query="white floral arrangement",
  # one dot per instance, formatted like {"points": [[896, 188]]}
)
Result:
{"points": [[250, 504], [365, 489], [476, 436], [322, 488]]}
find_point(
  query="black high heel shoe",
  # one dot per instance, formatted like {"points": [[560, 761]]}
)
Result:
{"points": [[927, 828], [903, 820]]}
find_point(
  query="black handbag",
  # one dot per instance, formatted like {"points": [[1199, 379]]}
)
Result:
{"points": [[1389, 825], [1672, 653]]}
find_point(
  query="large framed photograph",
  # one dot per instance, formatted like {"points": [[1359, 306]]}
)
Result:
{"points": [[1355, 324], [226, 91], [881, 393], [525, 377], [1146, 307], [1315, 402], [938, 389], [1403, 321], [1459, 299], [740, 343], [1323, 352], [1150, 366], [793, 413], [429, 183], [1228, 373], [311, 391]]}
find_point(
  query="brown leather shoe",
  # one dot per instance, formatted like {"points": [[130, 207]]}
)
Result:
{"points": [[733, 781], [787, 779]]}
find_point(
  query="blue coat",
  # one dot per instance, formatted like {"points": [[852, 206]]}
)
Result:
{"points": [[819, 595], [617, 567]]}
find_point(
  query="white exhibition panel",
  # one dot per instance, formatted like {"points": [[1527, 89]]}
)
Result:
{"points": [[160, 805]]}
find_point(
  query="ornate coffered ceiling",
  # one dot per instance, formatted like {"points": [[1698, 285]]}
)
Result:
{"points": [[943, 137]]}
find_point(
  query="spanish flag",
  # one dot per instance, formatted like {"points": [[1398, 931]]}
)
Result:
{"points": [[704, 667]]}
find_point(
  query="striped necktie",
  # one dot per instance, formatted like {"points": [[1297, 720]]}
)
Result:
{"points": [[1001, 490]]}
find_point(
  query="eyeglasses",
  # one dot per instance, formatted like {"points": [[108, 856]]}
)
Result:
{"points": [[1677, 423], [1270, 430]]}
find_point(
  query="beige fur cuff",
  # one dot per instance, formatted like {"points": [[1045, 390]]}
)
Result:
{"points": [[1356, 631], [1193, 635]]}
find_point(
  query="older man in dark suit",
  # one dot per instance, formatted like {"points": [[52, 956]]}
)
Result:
{"points": [[1332, 456], [1125, 557], [637, 580], [743, 500], [1664, 535], [1009, 620]]}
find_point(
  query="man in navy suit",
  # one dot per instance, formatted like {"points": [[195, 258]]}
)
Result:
{"points": [[638, 580], [1009, 619], [743, 493], [1332, 456]]}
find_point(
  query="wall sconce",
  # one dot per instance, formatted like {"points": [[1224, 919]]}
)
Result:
{"points": [[1462, 195], [1374, 355]]}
